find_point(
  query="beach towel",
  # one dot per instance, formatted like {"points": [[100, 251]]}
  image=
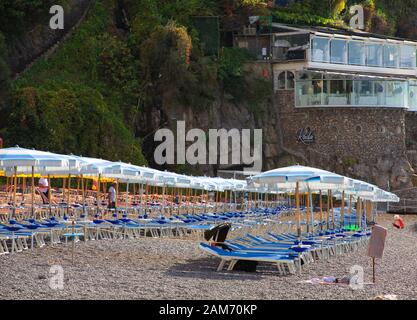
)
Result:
{"points": [[331, 281]]}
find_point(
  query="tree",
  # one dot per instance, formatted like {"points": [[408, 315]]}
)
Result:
{"points": [[16, 15], [4, 69], [336, 7], [164, 57]]}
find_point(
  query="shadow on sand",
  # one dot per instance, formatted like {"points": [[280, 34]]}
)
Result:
{"points": [[204, 268]]}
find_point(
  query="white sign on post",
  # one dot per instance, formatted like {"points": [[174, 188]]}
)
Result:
{"points": [[377, 242], [376, 245]]}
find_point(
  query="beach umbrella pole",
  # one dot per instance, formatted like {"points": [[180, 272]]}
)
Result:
{"points": [[327, 210], [343, 211], [98, 194], [83, 192], [297, 204], [127, 196], [308, 213], [13, 211], [49, 194], [312, 210], [33, 193], [69, 194], [321, 210]]}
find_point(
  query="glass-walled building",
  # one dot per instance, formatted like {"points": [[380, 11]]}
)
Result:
{"points": [[342, 68], [345, 90], [366, 52]]}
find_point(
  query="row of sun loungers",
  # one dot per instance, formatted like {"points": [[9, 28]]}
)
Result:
{"points": [[286, 251], [17, 236]]}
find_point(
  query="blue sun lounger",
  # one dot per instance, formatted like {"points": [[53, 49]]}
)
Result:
{"points": [[285, 263]]}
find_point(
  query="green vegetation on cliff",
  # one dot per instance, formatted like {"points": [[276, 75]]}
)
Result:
{"points": [[92, 95], [77, 100]]}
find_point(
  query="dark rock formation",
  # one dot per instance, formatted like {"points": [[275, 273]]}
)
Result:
{"points": [[35, 42]]}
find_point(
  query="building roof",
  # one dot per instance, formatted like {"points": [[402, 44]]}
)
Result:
{"points": [[335, 30]]}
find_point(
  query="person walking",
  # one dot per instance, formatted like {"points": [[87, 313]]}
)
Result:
{"points": [[112, 196]]}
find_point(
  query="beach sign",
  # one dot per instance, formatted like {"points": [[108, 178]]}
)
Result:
{"points": [[376, 245]]}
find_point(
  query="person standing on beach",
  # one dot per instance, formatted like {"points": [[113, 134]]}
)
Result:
{"points": [[112, 196], [44, 190]]}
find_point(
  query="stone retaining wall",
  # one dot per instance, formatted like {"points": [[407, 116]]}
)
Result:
{"points": [[363, 143]]}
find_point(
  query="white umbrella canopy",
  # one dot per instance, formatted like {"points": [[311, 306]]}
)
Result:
{"points": [[32, 162], [71, 165], [217, 184], [21, 157], [307, 177], [388, 197], [121, 171], [238, 185], [92, 166], [222, 184], [365, 191], [378, 195], [148, 175], [166, 178], [183, 181], [205, 183], [301, 179]]}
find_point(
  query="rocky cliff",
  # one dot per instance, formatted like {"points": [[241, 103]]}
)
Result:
{"points": [[40, 38]]}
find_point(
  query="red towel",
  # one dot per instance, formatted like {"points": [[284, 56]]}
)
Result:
{"points": [[399, 223]]}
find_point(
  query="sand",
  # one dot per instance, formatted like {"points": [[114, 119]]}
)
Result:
{"points": [[178, 269]]}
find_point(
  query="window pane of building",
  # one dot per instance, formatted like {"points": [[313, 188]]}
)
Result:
{"points": [[408, 57], [338, 94], [391, 56], [281, 81], [374, 55], [338, 51], [309, 93], [290, 80], [320, 50], [356, 53], [379, 89], [395, 91], [412, 95], [367, 95]]}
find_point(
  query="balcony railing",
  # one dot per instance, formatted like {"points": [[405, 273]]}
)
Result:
{"points": [[355, 93], [283, 54]]}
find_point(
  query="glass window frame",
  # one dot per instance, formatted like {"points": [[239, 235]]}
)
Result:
{"points": [[413, 58], [313, 39], [345, 51], [381, 54], [397, 54], [338, 91], [287, 80], [363, 62]]}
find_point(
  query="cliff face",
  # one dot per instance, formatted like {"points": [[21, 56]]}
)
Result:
{"points": [[375, 145], [371, 144], [26, 48]]}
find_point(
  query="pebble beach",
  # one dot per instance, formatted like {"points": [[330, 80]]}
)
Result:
{"points": [[150, 268]]}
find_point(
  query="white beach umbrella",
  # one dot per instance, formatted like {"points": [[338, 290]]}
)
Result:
{"points": [[31, 161], [120, 171], [293, 174], [301, 178], [21, 157]]}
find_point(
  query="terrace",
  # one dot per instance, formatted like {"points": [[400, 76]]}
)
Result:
{"points": [[336, 67]]}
